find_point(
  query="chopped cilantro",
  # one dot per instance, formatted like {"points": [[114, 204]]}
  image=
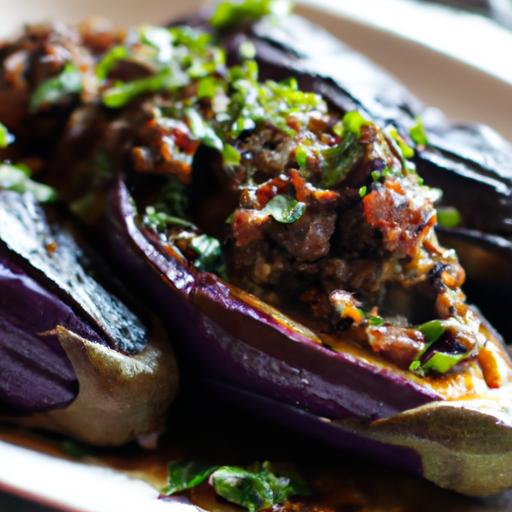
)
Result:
{"points": [[202, 131], [448, 217], [232, 12], [247, 50], [442, 362], [5, 137], [123, 92], [418, 134], [160, 220], [301, 156], [209, 254], [353, 122], [207, 87], [432, 330], [68, 81], [186, 475], [375, 321], [285, 209], [256, 487], [339, 160], [363, 191], [230, 155], [17, 179], [405, 149], [109, 60], [160, 39]]}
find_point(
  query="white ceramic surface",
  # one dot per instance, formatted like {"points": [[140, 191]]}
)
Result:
{"points": [[459, 63]]}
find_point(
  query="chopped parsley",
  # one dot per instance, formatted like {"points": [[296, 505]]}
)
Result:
{"points": [[69, 81], [406, 150], [109, 61], [284, 209], [448, 217], [340, 159], [418, 133], [123, 93], [431, 359], [232, 12], [442, 362], [352, 122], [209, 254], [159, 220], [5, 137], [186, 475], [17, 179], [256, 487], [432, 330]]}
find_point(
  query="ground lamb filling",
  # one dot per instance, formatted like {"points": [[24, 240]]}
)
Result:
{"points": [[318, 212]]}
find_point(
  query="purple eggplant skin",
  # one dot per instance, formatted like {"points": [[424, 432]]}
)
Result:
{"points": [[68, 347]]}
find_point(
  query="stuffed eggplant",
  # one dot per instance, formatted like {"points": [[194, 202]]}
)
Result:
{"points": [[280, 224], [73, 357]]}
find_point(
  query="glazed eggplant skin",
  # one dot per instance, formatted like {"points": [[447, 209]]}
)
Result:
{"points": [[72, 353]]}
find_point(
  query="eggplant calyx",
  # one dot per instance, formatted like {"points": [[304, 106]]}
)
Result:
{"points": [[464, 445], [121, 397]]}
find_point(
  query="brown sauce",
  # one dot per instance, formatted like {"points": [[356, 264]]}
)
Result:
{"points": [[209, 430]]}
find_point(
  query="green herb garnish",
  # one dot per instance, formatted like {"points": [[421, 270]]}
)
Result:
{"points": [[448, 217], [123, 92], [247, 50], [363, 191], [340, 159], [51, 91], [375, 321], [5, 137], [432, 330], [210, 257], [353, 122], [202, 131], [186, 475], [418, 134], [285, 209], [17, 179], [232, 12], [159, 220], [405, 149], [442, 362], [230, 155], [255, 488], [109, 60]]}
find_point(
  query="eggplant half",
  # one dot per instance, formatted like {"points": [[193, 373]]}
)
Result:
{"points": [[262, 194], [74, 358]]}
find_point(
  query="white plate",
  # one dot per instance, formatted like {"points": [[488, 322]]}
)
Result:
{"points": [[460, 63]]}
